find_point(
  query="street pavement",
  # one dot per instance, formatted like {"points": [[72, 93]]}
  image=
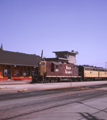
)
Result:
{"points": [[92, 109]]}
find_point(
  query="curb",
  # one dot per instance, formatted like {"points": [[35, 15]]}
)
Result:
{"points": [[9, 87], [6, 87], [2, 88], [24, 90]]}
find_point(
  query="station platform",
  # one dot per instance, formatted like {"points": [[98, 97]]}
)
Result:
{"points": [[14, 82], [9, 87]]}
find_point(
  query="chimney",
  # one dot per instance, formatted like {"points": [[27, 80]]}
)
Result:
{"points": [[1, 47], [42, 54]]}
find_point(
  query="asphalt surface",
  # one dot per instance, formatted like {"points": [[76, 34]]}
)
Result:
{"points": [[89, 103]]}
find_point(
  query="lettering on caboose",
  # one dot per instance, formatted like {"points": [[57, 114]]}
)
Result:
{"points": [[68, 70]]}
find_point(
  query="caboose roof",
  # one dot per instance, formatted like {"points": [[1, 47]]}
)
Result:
{"points": [[52, 59], [72, 52], [57, 59]]}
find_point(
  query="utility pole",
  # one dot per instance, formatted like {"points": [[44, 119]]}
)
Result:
{"points": [[105, 64]]}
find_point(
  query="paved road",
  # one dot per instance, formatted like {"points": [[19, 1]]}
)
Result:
{"points": [[89, 104], [92, 109]]}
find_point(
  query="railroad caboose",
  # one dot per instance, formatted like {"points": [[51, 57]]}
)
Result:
{"points": [[56, 71]]}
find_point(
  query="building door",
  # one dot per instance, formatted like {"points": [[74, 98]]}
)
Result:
{"points": [[9, 72]]}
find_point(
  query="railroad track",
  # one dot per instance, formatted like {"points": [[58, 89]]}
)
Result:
{"points": [[46, 104]]}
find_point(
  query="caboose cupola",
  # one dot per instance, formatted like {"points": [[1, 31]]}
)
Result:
{"points": [[64, 56]]}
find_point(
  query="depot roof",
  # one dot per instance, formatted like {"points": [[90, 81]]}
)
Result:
{"points": [[21, 59]]}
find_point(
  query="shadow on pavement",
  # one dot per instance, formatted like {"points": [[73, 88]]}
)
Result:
{"points": [[88, 116]]}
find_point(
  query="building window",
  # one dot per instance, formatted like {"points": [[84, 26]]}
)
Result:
{"points": [[29, 71], [16, 72], [62, 55], [26, 73], [9, 67], [21, 71], [33, 73], [5, 72]]}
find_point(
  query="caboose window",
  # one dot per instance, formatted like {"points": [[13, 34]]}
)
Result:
{"points": [[42, 63], [52, 67], [56, 66]]}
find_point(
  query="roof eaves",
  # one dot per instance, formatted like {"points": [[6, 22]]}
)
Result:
{"points": [[18, 64], [65, 52]]}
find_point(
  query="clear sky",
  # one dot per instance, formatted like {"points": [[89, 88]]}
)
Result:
{"points": [[28, 26]]}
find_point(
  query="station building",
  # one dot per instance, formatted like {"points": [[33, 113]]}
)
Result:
{"points": [[17, 66]]}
